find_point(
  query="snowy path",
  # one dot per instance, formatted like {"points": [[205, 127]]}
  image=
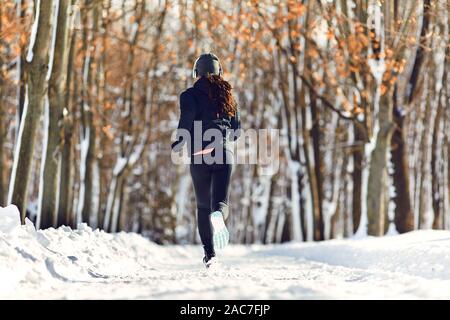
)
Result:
{"points": [[66, 264]]}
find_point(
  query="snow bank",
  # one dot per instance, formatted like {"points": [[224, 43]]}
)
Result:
{"points": [[92, 264], [9, 219], [32, 262]]}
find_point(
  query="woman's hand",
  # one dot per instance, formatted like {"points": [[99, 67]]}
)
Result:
{"points": [[177, 145]]}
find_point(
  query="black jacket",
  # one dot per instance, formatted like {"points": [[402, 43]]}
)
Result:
{"points": [[195, 105]]}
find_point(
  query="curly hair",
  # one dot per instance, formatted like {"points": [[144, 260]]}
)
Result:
{"points": [[220, 91]]}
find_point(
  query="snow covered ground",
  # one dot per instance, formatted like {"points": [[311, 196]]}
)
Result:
{"points": [[80, 264]]}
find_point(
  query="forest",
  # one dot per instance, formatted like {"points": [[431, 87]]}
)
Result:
{"points": [[358, 90]]}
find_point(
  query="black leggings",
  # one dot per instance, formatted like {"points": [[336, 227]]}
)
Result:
{"points": [[211, 182]]}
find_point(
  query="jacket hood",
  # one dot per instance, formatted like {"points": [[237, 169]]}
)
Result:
{"points": [[202, 84]]}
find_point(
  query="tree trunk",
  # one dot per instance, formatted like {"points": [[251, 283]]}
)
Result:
{"points": [[302, 209], [286, 234], [57, 102], [2, 118], [293, 147], [37, 86], [446, 155], [118, 207], [267, 236], [88, 162], [249, 221], [102, 78], [65, 207], [21, 68], [416, 77], [89, 131], [318, 223], [318, 161], [334, 221], [423, 191], [442, 51], [358, 157], [435, 174], [113, 202], [447, 142], [377, 184], [404, 217], [404, 213], [2, 169]]}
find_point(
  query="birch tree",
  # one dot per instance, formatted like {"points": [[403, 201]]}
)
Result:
{"points": [[57, 102], [67, 171], [2, 111], [90, 20], [37, 84]]}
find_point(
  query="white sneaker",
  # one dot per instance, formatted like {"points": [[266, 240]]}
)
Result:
{"points": [[211, 262], [221, 237]]}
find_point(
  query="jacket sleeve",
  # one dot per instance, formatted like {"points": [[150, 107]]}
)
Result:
{"points": [[187, 117], [187, 108], [236, 125]]}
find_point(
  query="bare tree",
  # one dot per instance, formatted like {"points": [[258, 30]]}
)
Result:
{"points": [[2, 120], [67, 171], [88, 132], [37, 66], [57, 102]]}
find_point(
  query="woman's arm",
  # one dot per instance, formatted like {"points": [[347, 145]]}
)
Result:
{"points": [[236, 125], [187, 116]]}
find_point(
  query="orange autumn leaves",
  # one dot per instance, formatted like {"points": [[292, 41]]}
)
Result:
{"points": [[393, 69], [354, 51], [14, 29]]}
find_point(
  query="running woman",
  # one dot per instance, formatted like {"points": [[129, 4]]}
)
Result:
{"points": [[209, 123]]}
